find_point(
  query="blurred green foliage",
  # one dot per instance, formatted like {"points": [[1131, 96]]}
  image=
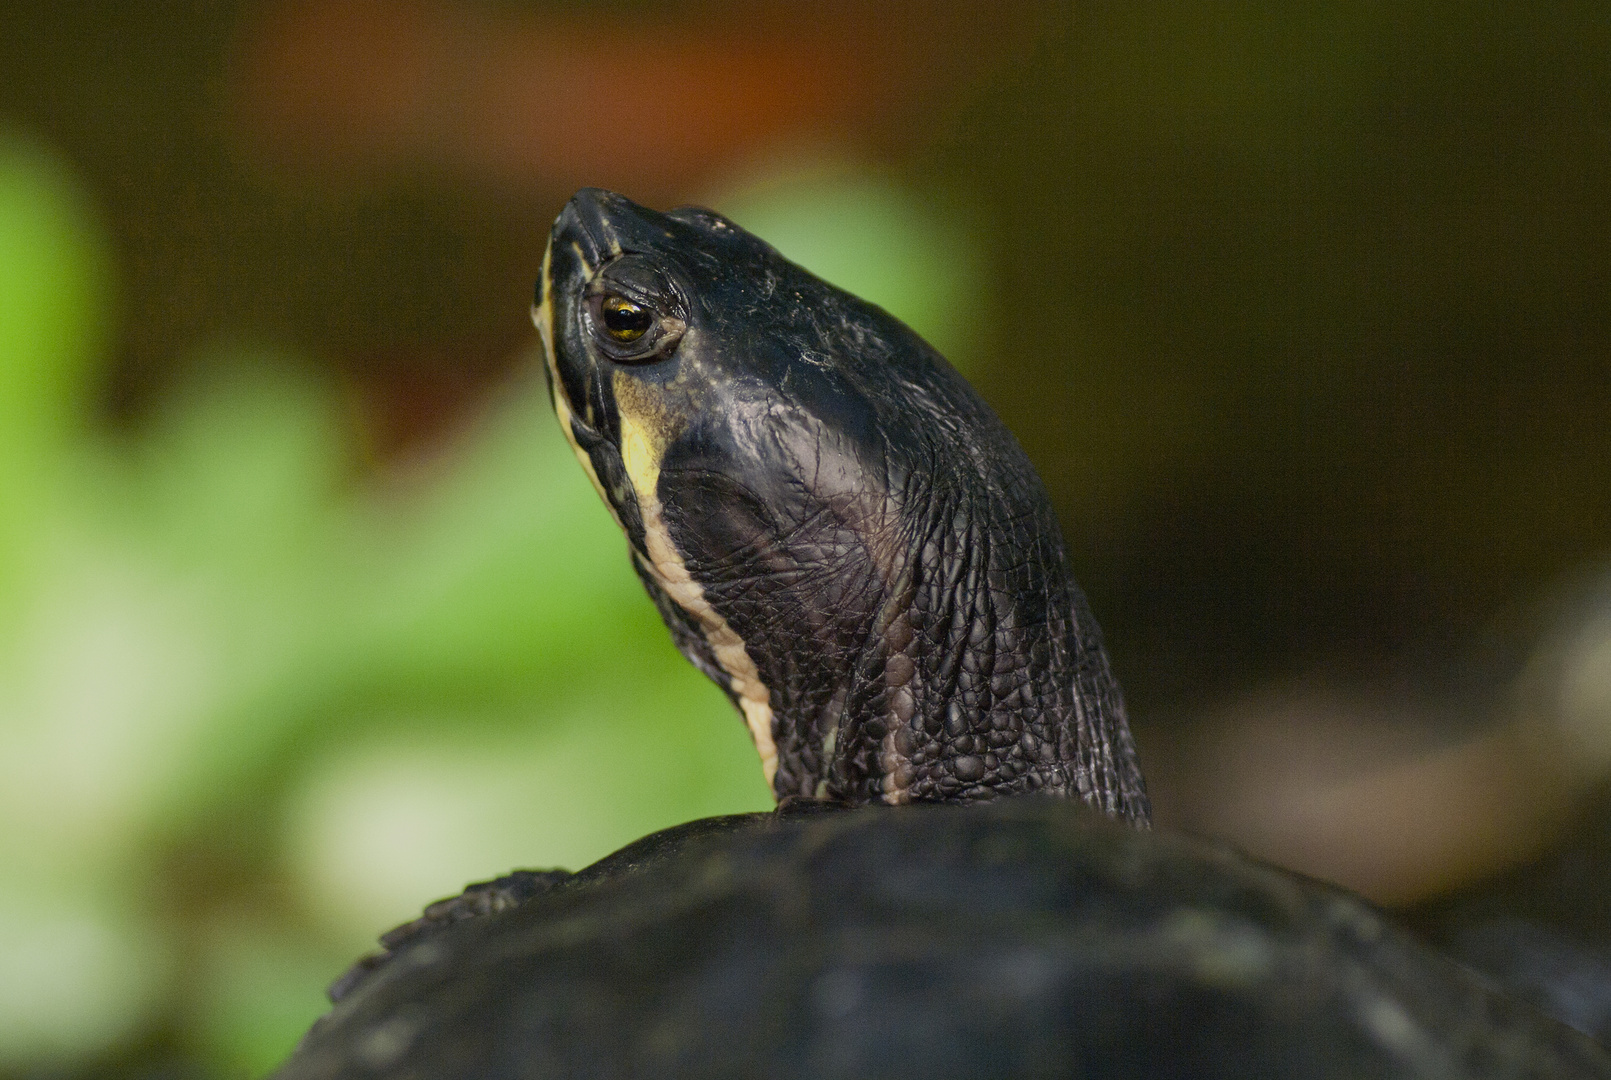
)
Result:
{"points": [[257, 706], [255, 710], [53, 276]]}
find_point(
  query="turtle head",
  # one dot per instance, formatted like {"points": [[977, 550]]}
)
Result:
{"points": [[835, 527]]}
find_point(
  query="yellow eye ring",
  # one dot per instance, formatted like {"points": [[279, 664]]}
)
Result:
{"points": [[624, 320]]}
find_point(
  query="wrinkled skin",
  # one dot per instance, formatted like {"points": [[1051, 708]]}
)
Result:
{"points": [[881, 581]]}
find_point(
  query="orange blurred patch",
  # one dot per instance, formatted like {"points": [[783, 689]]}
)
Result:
{"points": [[653, 103]]}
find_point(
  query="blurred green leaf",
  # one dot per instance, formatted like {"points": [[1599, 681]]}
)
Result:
{"points": [[389, 823], [497, 573], [261, 987], [55, 280], [79, 970]]}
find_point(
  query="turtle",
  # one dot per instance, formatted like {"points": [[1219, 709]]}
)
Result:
{"points": [[960, 879]]}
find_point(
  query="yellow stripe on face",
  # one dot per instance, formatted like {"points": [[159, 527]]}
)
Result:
{"points": [[543, 313], [640, 456], [645, 431], [666, 566]]}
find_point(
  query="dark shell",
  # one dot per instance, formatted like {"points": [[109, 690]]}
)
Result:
{"points": [[1027, 937]]}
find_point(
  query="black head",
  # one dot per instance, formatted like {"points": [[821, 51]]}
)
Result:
{"points": [[835, 527]]}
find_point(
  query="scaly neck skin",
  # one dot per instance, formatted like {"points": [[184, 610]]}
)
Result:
{"points": [[926, 643]]}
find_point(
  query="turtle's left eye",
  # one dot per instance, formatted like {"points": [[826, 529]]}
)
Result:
{"points": [[624, 320], [634, 314]]}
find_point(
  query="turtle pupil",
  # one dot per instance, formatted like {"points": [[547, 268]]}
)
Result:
{"points": [[624, 320]]}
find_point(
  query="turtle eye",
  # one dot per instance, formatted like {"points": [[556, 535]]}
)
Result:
{"points": [[624, 320], [632, 312]]}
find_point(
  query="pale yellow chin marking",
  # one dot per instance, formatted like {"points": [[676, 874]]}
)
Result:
{"points": [[638, 454], [671, 574], [644, 433], [643, 437]]}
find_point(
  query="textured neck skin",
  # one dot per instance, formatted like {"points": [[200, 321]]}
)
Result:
{"points": [[835, 527], [922, 639]]}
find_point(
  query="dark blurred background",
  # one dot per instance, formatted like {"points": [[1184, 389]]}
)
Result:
{"points": [[1302, 309]]}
